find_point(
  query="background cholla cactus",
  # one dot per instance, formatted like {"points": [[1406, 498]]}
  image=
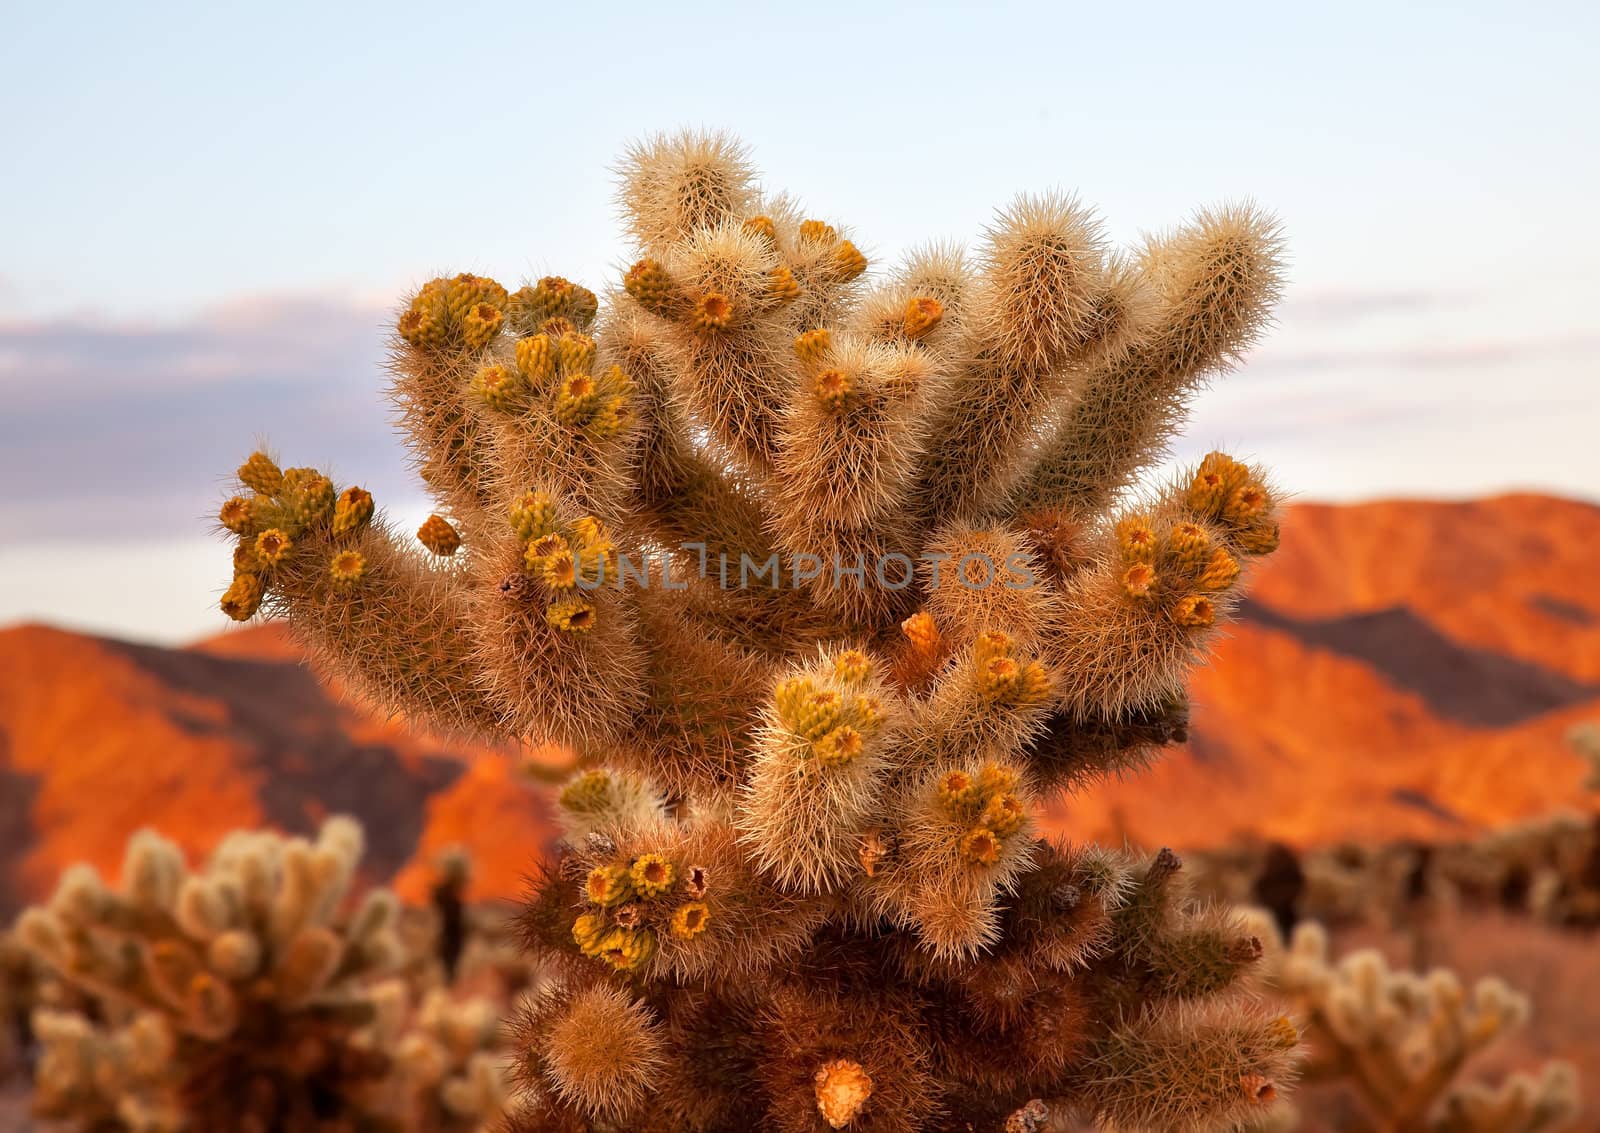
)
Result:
{"points": [[1585, 740], [447, 1058], [242, 997], [18, 983], [1547, 866], [106, 1078], [1404, 1040], [896, 594]]}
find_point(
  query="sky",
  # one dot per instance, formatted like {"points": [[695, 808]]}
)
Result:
{"points": [[208, 212]]}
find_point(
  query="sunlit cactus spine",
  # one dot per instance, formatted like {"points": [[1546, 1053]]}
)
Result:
{"points": [[829, 580]]}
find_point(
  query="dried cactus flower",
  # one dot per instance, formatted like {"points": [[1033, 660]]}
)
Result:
{"points": [[825, 580]]}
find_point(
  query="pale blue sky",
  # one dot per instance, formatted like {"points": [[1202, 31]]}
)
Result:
{"points": [[206, 209]]}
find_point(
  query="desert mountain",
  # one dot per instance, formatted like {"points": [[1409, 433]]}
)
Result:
{"points": [[1402, 669], [100, 737]]}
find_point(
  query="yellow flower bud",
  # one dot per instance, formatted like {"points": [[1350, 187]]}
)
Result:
{"points": [[761, 226], [922, 317], [260, 474], [1138, 580], [689, 920], [571, 615], [439, 536], [852, 666], [536, 359], [1195, 610], [347, 569], [499, 386], [273, 546], [713, 312], [607, 885], [819, 231], [242, 598], [782, 285], [814, 345], [980, 846], [652, 875], [839, 747], [236, 514], [647, 281], [832, 388], [352, 511]]}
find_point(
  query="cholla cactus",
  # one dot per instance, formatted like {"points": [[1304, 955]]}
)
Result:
{"points": [[16, 991], [448, 1062], [1585, 740], [828, 585], [1403, 1040], [106, 1078], [240, 989]]}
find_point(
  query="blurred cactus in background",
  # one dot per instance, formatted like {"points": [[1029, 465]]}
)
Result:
{"points": [[245, 997], [828, 585], [1585, 740], [1546, 867], [19, 977], [1403, 1041]]}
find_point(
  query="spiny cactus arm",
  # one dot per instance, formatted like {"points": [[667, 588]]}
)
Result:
{"points": [[551, 646], [501, 392], [553, 624], [373, 613], [961, 836], [441, 335], [815, 788], [1159, 580], [833, 1060], [695, 735], [555, 416], [1214, 283], [1068, 753], [595, 1050], [673, 185], [1042, 306], [991, 699], [679, 494], [719, 287], [823, 262], [605, 801], [683, 901], [843, 469], [1185, 1067]]}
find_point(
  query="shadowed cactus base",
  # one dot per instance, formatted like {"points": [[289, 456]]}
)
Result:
{"points": [[828, 579]]}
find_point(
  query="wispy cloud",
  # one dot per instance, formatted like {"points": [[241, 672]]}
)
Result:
{"points": [[1330, 306], [120, 428], [1450, 355]]}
